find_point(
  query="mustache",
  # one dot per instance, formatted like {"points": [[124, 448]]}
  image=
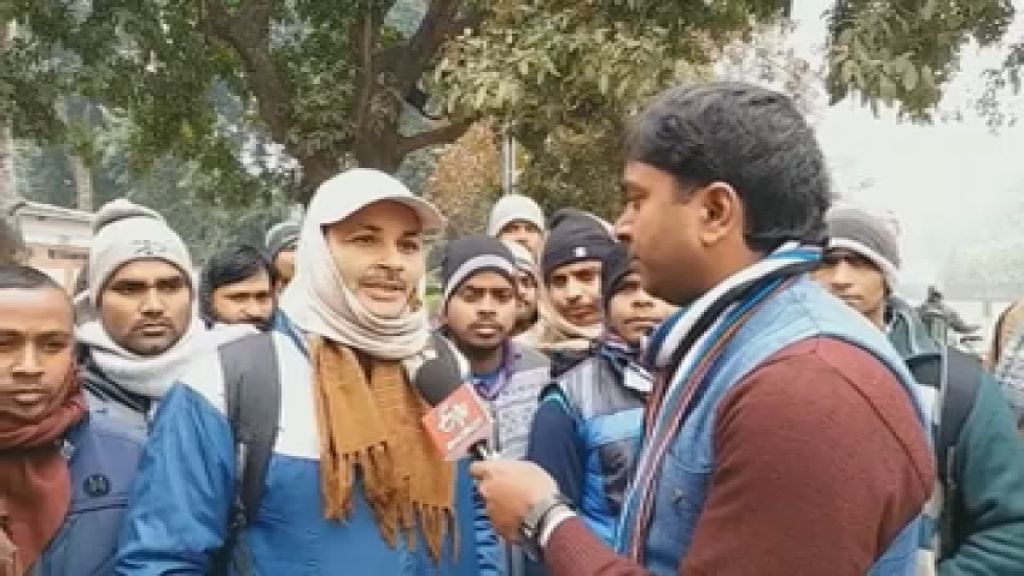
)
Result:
{"points": [[390, 278]]}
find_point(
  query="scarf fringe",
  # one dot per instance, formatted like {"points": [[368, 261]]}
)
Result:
{"points": [[375, 465], [437, 525]]}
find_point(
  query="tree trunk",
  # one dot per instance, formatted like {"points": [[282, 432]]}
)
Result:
{"points": [[377, 151], [8, 188], [371, 151], [8, 184], [316, 169], [83, 183]]}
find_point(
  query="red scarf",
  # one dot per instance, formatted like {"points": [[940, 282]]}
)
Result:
{"points": [[35, 485]]}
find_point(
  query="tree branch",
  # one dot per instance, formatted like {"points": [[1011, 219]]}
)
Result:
{"points": [[408, 61], [316, 169], [247, 32], [364, 38], [442, 135]]}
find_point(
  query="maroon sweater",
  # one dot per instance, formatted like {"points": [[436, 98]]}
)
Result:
{"points": [[820, 462]]}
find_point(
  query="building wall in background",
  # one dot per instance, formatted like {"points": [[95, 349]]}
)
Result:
{"points": [[57, 239]]}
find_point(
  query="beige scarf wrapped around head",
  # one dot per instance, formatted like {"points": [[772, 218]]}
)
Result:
{"points": [[556, 333]]}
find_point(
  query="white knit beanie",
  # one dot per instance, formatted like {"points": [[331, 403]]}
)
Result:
{"points": [[124, 232], [511, 208]]}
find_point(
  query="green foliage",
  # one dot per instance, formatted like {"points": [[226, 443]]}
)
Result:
{"points": [[566, 75], [900, 53], [260, 100], [249, 91]]}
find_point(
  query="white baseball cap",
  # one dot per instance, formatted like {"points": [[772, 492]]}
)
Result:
{"points": [[347, 193]]}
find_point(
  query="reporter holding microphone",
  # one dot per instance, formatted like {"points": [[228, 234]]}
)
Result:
{"points": [[783, 436]]}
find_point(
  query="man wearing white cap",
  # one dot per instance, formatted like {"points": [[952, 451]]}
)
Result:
{"points": [[146, 330], [352, 484], [519, 219]]}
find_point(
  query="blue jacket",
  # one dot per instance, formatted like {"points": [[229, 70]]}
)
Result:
{"points": [[103, 455], [178, 519], [799, 312], [587, 433]]}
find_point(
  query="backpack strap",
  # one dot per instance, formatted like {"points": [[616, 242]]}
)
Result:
{"points": [[955, 376], [962, 376], [252, 395]]}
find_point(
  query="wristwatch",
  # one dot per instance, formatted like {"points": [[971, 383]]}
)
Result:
{"points": [[534, 522]]}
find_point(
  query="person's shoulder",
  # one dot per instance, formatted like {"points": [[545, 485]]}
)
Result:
{"points": [[103, 450], [582, 370], [835, 378], [526, 359], [838, 394], [206, 371], [109, 429], [584, 383], [831, 357], [204, 376], [988, 406]]}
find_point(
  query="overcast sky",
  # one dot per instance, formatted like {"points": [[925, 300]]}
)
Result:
{"points": [[926, 175]]}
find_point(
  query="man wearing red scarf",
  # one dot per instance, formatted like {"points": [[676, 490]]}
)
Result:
{"points": [[62, 473]]}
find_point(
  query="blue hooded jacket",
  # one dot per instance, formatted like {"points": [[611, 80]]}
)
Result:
{"points": [[178, 520]]}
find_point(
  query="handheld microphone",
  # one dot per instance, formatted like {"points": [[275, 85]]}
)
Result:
{"points": [[458, 422]]}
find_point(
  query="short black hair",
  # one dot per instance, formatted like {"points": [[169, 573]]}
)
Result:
{"points": [[235, 264], [749, 137], [20, 277], [229, 266]]}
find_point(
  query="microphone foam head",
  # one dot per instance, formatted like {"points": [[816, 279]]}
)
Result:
{"points": [[436, 379]]}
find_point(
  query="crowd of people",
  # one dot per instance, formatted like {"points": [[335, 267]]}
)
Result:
{"points": [[723, 381]]}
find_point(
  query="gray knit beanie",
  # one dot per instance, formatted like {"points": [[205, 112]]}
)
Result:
{"points": [[125, 232], [863, 233]]}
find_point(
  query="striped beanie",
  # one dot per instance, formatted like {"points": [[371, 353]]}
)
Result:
{"points": [[466, 256]]}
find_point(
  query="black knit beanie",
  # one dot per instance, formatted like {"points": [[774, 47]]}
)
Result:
{"points": [[574, 236], [615, 269]]}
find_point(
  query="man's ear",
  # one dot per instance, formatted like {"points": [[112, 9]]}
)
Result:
{"points": [[720, 212]]}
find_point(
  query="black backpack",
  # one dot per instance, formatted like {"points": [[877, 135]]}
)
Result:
{"points": [[253, 408], [957, 376]]}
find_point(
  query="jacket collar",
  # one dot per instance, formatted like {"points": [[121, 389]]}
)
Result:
{"points": [[907, 333]]}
